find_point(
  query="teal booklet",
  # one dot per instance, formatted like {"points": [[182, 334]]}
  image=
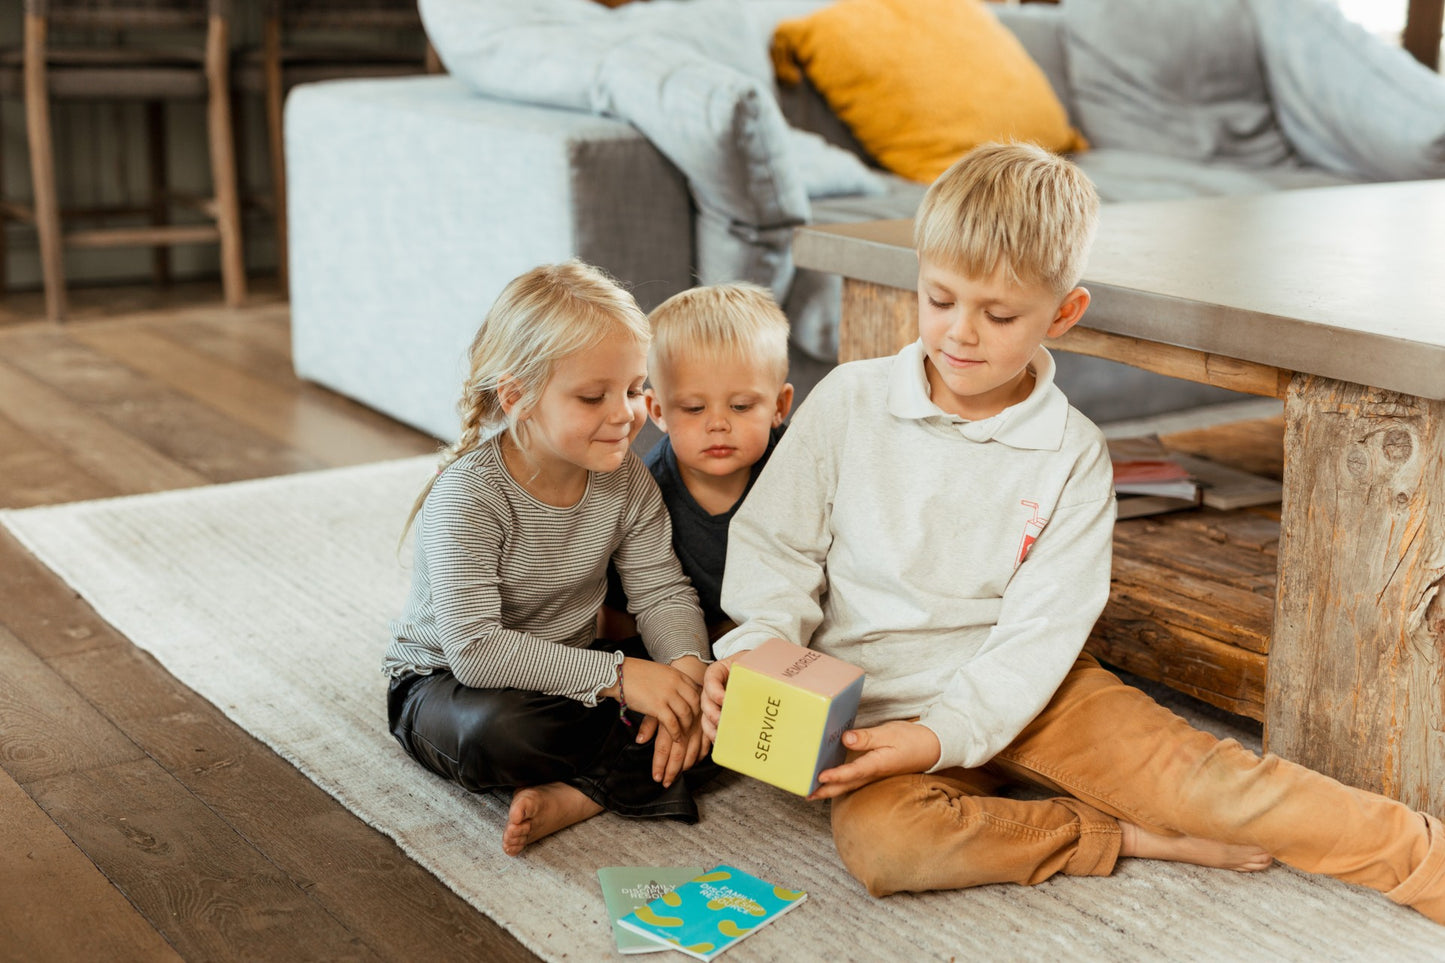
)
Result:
{"points": [[625, 888], [708, 914]]}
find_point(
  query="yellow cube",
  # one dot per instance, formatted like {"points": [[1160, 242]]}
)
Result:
{"points": [[785, 713]]}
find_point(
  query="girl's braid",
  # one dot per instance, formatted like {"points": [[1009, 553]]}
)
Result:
{"points": [[478, 408]]}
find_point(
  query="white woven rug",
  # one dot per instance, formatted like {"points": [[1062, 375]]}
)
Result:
{"points": [[270, 599]]}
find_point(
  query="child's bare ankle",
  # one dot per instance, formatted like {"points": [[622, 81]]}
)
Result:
{"points": [[1142, 844], [539, 811]]}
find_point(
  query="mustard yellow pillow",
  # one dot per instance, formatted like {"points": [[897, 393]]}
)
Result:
{"points": [[921, 82]]}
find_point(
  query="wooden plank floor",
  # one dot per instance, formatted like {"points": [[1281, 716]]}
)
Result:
{"points": [[137, 822]]}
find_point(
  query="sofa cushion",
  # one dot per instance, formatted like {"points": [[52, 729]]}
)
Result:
{"points": [[1348, 101], [652, 67], [1127, 175], [398, 245], [830, 171], [1179, 78], [533, 50], [920, 82], [900, 197], [1040, 28]]}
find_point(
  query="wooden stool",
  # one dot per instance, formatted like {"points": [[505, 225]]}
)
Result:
{"points": [[43, 71], [312, 40]]}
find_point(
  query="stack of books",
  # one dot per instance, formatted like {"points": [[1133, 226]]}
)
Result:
{"points": [[1150, 479], [1147, 480]]}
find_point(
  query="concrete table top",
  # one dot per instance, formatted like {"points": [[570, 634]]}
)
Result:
{"points": [[1344, 282]]}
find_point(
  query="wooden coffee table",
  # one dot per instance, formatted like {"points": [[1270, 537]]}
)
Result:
{"points": [[1333, 300]]}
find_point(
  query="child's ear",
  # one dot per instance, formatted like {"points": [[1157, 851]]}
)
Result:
{"points": [[509, 393], [654, 408], [785, 404], [1071, 309]]}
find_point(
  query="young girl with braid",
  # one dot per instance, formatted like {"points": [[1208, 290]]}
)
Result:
{"points": [[497, 679]]}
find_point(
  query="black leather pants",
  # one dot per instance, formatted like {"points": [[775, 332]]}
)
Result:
{"points": [[485, 739]]}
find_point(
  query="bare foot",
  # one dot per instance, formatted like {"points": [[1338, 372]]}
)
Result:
{"points": [[1191, 849], [539, 811]]}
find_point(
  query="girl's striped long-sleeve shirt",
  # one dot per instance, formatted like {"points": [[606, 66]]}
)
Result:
{"points": [[505, 589]]}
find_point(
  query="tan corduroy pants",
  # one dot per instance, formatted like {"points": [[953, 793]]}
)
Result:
{"points": [[1113, 754]]}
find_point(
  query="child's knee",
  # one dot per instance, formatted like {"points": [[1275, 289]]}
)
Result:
{"points": [[1233, 787], [874, 835], [514, 738]]}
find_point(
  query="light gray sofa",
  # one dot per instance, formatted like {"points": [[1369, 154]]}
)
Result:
{"points": [[413, 201]]}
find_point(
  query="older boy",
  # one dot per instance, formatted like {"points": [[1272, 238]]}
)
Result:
{"points": [[943, 519], [718, 368]]}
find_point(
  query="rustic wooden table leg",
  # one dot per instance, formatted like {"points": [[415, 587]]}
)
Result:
{"points": [[1356, 685], [876, 320]]}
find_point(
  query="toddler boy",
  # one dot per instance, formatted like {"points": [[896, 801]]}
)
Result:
{"points": [[943, 519], [718, 370]]}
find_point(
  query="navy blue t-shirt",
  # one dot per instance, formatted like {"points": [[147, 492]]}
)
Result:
{"points": [[699, 538]]}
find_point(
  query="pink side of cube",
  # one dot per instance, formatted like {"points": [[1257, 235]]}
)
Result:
{"points": [[811, 670]]}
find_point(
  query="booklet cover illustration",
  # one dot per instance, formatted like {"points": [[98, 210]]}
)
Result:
{"points": [[625, 888], [706, 915]]}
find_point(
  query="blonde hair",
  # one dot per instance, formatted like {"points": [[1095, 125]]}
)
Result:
{"points": [[1014, 207], [541, 317], [737, 321]]}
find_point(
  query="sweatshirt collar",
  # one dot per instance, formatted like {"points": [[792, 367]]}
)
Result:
{"points": [[1037, 422]]}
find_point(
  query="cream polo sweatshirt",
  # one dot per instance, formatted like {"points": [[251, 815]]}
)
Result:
{"points": [[960, 564]]}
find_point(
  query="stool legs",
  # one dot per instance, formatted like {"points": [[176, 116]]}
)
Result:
{"points": [[159, 179], [4, 217], [223, 207], [42, 168], [223, 163], [275, 142]]}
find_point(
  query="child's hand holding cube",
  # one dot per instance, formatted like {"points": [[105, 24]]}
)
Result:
{"points": [[785, 713]]}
